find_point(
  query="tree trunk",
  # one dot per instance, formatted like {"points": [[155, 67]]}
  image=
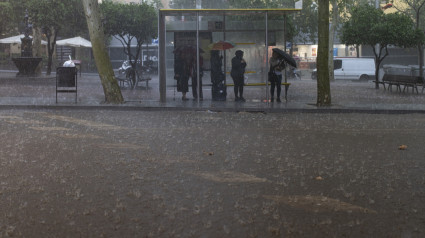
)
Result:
{"points": [[50, 50], [421, 59], [110, 85], [323, 84], [37, 49], [378, 60], [420, 46], [332, 30]]}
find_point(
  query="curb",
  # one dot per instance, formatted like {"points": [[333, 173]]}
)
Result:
{"points": [[212, 109]]}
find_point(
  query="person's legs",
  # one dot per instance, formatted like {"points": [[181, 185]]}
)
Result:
{"points": [[279, 87], [239, 85], [235, 88], [272, 86], [184, 98], [241, 92], [194, 88], [184, 88]]}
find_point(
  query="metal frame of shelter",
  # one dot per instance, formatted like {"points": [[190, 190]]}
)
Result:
{"points": [[196, 12]]}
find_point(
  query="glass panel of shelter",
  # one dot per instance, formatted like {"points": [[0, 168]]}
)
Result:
{"points": [[245, 31]]}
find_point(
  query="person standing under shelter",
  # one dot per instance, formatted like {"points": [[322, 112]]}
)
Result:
{"points": [[276, 67], [182, 72], [237, 73]]}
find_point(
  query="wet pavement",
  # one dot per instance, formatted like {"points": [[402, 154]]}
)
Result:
{"points": [[302, 94], [210, 169], [126, 173]]}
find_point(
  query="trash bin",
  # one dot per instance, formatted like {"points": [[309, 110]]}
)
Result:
{"points": [[66, 81], [66, 76]]}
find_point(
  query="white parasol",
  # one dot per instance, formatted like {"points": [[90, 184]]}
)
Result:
{"points": [[74, 42], [16, 40]]}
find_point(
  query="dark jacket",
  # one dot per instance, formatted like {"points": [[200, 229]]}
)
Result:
{"points": [[238, 67]]}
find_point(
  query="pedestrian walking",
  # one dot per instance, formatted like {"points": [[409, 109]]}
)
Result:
{"points": [[237, 73]]}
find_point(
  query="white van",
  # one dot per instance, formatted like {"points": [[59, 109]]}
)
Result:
{"points": [[352, 68]]}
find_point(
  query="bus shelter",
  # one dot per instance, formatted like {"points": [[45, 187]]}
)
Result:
{"points": [[210, 38]]}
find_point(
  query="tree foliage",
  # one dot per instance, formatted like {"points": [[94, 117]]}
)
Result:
{"points": [[130, 23], [370, 26], [6, 11], [75, 22], [53, 17], [306, 22], [415, 10], [51, 22]]}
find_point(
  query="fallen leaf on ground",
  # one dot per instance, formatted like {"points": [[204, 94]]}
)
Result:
{"points": [[402, 147]]}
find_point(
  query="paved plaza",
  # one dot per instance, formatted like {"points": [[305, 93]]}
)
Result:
{"points": [[210, 169], [302, 94], [126, 173]]}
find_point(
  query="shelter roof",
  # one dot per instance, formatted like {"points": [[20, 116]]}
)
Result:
{"points": [[232, 11]]}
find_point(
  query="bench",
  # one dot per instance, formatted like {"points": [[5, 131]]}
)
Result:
{"points": [[263, 84], [123, 81], [402, 80]]}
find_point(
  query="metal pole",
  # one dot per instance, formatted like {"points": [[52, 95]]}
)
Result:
{"points": [[224, 52], [161, 65], [197, 57], [267, 56], [284, 42]]}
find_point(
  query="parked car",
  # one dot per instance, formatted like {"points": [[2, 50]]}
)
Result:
{"points": [[352, 68]]}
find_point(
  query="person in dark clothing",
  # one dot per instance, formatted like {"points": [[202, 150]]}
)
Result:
{"points": [[237, 73], [276, 66], [218, 89], [216, 64], [182, 73]]}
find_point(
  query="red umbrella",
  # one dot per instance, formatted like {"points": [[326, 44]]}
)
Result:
{"points": [[222, 45]]}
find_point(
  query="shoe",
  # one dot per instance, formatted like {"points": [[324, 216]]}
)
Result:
{"points": [[242, 99], [184, 99], [271, 99], [278, 100], [237, 99]]}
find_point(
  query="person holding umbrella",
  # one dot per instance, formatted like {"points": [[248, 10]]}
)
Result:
{"points": [[276, 67], [237, 73], [278, 62]]}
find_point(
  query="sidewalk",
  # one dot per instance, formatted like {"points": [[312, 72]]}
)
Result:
{"points": [[347, 96]]}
